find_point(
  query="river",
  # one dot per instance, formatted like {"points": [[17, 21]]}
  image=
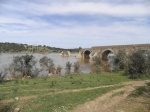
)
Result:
{"points": [[7, 58]]}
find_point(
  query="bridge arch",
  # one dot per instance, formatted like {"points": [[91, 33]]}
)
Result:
{"points": [[87, 54], [105, 54]]}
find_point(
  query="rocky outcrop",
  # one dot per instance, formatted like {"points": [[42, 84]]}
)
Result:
{"points": [[65, 53], [79, 55]]}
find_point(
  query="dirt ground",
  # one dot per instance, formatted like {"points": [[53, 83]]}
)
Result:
{"points": [[114, 101], [119, 103]]}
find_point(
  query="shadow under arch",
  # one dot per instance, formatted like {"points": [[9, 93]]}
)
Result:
{"points": [[105, 54], [87, 54]]}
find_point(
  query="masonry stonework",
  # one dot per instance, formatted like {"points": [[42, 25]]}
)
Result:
{"points": [[105, 50]]}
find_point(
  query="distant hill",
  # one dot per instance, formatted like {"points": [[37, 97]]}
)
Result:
{"points": [[16, 47]]}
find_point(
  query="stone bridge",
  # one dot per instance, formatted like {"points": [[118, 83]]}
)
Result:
{"points": [[103, 51]]}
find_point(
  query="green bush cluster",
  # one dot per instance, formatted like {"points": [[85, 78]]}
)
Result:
{"points": [[138, 64]]}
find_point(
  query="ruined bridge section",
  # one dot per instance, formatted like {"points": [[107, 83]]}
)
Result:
{"points": [[103, 51]]}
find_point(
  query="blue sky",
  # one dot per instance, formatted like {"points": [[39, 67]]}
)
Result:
{"points": [[75, 23]]}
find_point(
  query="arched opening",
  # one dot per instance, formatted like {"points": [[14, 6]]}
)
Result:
{"points": [[87, 54], [105, 55]]}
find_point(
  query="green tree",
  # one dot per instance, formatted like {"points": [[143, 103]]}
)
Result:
{"points": [[68, 67], [76, 67], [48, 62], [138, 64], [24, 64], [120, 60]]}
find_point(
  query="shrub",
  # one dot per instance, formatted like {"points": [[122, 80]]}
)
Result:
{"points": [[45, 61], [1, 77], [96, 65], [76, 67], [48, 62], [68, 67], [96, 60], [138, 64], [120, 60], [58, 70], [24, 64]]}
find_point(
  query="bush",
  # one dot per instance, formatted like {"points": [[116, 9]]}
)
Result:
{"points": [[68, 67], [24, 64], [120, 60], [96, 65], [96, 60], [1, 77], [58, 70], [45, 61], [138, 64], [48, 62], [76, 67]]}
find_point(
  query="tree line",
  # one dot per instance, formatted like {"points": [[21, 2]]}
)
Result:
{"points": [[16, 47]]}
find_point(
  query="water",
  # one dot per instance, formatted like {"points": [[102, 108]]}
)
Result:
{"points": [[7, 58]]}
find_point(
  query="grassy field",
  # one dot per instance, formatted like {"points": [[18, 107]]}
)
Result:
{"points": [[56, 94]]}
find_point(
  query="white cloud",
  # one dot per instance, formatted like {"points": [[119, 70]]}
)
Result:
{"points": [[78, 7], [84, 36], [24, 23]]}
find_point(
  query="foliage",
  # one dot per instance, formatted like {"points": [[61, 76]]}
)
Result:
{"points": [[96, 65], [96, 60], [24, 64], [120, 60], [48, 62], [138, 64], [58, 70], [1, 77], [76, 67], [15, 47], [140, 90], [51, 68], [68, 67]]}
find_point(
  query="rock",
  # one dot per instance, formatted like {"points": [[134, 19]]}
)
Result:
{"points": [[79, 56], [17, 98], [65, 53], [50, 74], [16, 110]]}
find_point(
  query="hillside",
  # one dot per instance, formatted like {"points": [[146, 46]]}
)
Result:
{"points": [[16, 47]]}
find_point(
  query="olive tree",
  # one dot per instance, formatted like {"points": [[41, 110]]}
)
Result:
{"points": [[48, 62], [24, 64], [138, 64], [76, 67], [120, 60], [68, 67]]}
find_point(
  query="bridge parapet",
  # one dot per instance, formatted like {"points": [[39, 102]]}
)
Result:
{"points": [[99, 50]]}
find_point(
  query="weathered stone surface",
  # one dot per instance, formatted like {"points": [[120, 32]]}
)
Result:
{"points": [[65, 53], [102, 50]]}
